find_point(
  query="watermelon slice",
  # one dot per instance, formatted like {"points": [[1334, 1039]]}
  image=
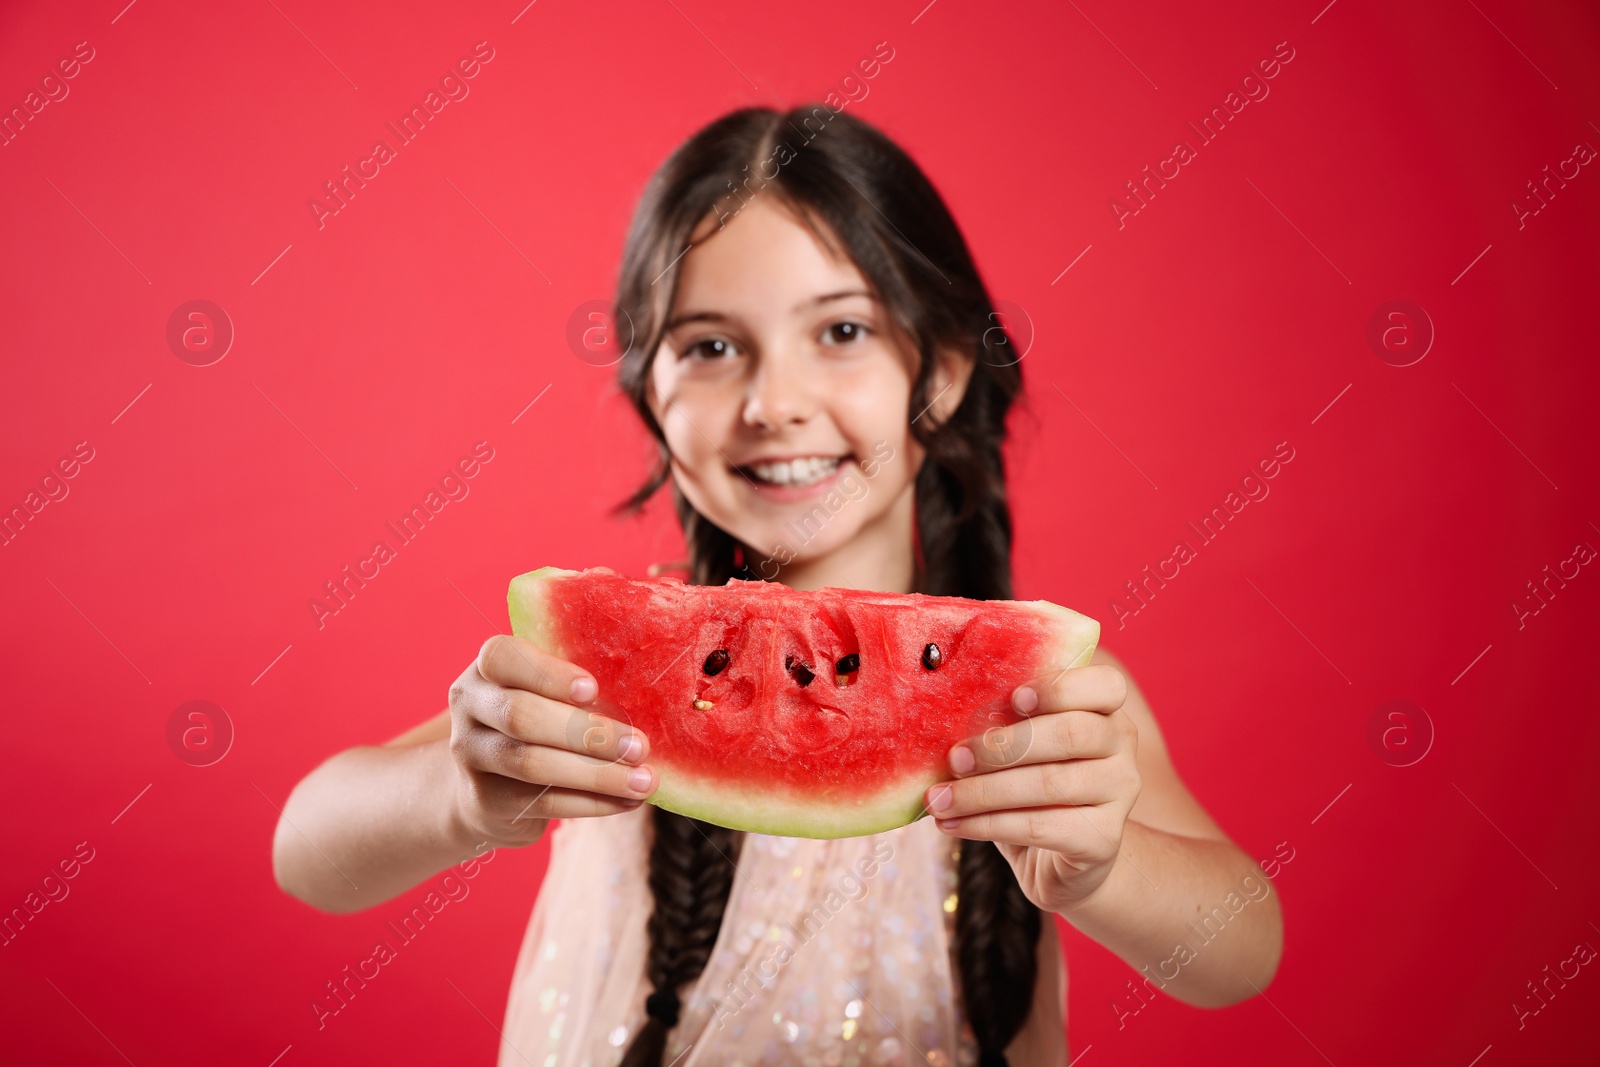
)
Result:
{"points": [[825, 713]]}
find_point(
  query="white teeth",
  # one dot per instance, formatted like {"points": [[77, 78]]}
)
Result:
{"points": [[796, 471]]}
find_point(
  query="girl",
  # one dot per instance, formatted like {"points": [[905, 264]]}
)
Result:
{"points": [[812, 322]]}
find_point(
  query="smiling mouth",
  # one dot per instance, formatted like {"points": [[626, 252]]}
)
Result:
{"points": [[806, 470]]}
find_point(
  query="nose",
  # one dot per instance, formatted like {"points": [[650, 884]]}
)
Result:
{"points": [[779, 394]]}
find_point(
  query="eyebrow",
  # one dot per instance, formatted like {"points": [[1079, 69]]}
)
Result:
{"points": [[718, 316]]}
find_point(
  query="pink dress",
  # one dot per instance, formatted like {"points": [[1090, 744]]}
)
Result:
{"points": [[831, 954]]}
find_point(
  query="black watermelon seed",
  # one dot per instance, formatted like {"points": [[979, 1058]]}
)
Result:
{"points": [[848, 664], [717, 661], [802, 674], [932, 657]]}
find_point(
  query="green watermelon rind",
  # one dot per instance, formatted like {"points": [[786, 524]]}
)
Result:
{"points": [[524, 595], [757, 808], [772, 814]]}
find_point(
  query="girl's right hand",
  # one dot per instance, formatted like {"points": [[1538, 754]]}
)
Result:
{"points": [[526, 751]]}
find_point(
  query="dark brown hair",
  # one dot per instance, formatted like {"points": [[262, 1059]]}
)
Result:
{"points": [[852, 186]]}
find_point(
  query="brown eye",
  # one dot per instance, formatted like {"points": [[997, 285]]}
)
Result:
{"points": [[710, 350], [845, 332], [716, 662], [932, 657]]}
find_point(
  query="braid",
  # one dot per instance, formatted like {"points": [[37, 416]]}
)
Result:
{"points": [[997, 926], [691, 875], [964, 527], [691, 862], [997, 934]]}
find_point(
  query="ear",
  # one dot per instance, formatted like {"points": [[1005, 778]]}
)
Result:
{"points": [[952, 370]]}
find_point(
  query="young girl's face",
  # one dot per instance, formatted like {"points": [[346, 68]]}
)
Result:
{"points": [[782, 394]]}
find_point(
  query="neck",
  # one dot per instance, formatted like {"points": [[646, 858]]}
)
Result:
{"points": [[878, 558]]}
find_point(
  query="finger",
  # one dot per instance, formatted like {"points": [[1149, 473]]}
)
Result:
{"points": [[1039, 739], [489, 750], [1084, 782], [1097, 687], [511, 801], [539, 720], [555, 803], [1070, 831], [517, 663]]}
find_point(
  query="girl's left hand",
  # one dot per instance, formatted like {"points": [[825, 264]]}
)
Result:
{"points": [[1052, 791]]}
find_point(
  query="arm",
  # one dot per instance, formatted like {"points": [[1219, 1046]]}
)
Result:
{"points": [[1192, 868], [513, 751], [1084, 801], [371, 822]]}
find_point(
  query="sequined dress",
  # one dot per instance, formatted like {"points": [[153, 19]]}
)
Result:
{"points": [[831, 954]]}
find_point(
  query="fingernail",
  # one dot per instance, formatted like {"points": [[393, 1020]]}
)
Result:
{"points": [[1025, 699], [639, 780], [630, 749], [584, 690], [962, 760], [948, 824], [940, 799]]}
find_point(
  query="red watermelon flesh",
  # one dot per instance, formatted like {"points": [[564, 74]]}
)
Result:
{"points": [[823, 713]]}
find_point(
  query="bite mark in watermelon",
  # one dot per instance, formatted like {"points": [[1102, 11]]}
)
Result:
{"points": [[823, 713]]}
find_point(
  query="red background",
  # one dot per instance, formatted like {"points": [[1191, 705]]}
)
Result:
{"points": [[1222, 319]]}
